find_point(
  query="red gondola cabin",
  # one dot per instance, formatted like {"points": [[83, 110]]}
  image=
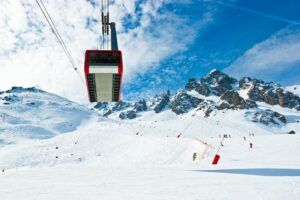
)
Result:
{"points": [[103, 72]]}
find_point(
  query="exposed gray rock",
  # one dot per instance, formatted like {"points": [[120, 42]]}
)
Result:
{"points": [[160, 102], [220, 81], [130, 114], [207, 107], [251, 103], [182, 102], [11, 98], [195, 101], [271, 97], [292, 132], [107, 113], [122, 115], [140, 106], [266, 117], [287, 99], [101, 105], [203, 89], [218, 90], [191, 84], [273, 94], [256, 94], [21, 89], [224, 105], [233, 98], [215, 82], [245, 83], [198, 86], [104, 108], [121, 105]]}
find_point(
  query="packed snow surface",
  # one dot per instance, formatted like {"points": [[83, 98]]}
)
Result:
{"points": [[51, 148]]}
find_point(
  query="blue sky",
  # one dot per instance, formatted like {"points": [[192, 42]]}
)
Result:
{"points": [[164, 42], [234, 30]]}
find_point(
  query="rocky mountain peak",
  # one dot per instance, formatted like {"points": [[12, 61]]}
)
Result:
{"points": [[217, 78], [183, 102], [214, 93], [216, 82], [159, 102]]}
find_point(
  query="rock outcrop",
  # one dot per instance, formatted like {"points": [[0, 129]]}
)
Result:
{"points": [[235, 101], [270, 93], [266, 117], [182, 102], [140, 106], [159, 102], [199, 86], [207, 107], [216, 82], [130, 114]]}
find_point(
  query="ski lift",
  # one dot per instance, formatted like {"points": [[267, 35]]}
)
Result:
{"points": [[104, 68], [103, 71]]}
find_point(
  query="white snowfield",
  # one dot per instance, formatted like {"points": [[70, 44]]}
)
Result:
{"points": [[294, 89], [51, 148]]}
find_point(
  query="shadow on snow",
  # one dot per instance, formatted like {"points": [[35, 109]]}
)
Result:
{"points": [[257, 171]]}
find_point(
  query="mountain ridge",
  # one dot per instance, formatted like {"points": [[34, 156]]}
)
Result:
{"points": [[215, 92]]}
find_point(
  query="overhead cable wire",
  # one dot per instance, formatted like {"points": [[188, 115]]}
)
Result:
{"points": [[56, 32], [105, 23]]}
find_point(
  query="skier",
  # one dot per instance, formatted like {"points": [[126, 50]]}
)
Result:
{"points": [[194, 156], [251, 145]]}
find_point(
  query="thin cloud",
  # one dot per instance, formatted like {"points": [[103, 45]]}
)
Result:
{"points": [[275, 59], [255, 12]]}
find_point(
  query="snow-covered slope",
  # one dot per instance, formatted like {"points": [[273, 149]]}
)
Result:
{"points": [[35, 114], [76, 153], [295, 89]]}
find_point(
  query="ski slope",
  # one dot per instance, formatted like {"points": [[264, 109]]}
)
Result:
{"points": [[143, 158]]}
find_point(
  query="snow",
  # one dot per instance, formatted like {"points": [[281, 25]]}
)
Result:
{"points": [[294, 89], [212, 97], [107, 158], [37, 114], [244, 93]]}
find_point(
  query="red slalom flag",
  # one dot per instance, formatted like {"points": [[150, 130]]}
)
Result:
{"points": [[216, 159]]}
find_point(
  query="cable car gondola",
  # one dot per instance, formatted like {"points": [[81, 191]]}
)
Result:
{"points": [[103, 68], [103, 71]]}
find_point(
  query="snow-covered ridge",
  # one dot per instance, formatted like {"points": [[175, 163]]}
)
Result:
{"points": [[36, 114]]}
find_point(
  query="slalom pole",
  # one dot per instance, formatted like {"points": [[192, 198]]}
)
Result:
{"points": [[217, 156]]}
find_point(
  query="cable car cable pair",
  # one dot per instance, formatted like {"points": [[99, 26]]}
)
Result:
{"points": [[55, 32], [104, 68]]}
